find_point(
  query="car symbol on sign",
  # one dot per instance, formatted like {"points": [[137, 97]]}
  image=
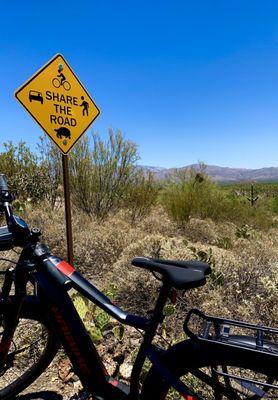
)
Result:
{"points": [[34, 95]]}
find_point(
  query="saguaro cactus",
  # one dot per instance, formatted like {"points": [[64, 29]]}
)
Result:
{"points": [[252, 197]]}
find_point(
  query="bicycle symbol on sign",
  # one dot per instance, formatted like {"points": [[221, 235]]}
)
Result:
{"points": [[61, 82]]}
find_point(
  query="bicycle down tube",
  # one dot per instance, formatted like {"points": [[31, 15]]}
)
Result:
{"points": [[53, 277]]}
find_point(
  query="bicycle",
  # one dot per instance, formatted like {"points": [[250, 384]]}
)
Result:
{"points": [[214, 363], [57, 83]]}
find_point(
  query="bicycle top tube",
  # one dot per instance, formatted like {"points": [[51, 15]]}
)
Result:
{"points": [[54, 265]]}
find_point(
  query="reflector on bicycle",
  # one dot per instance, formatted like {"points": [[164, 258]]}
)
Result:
{"points": [[65, 268], [62, 266]]}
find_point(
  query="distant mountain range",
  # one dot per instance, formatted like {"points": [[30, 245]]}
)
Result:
{"points": [[222, 174]]}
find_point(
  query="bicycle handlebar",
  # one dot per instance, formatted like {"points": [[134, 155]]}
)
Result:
{"points": [[5, 195], [3, 183], [16, 232]]}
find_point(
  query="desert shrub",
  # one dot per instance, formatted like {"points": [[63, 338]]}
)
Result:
{"points": [[96, 246], [190, 194], [141, 196], [224, 242], [157, 221], [273, 204], [246, 232], [177, 203], [204, 256], [101, 176], [51, 162], [99, 246], [26, 176], [258, 216], [198, 230]]}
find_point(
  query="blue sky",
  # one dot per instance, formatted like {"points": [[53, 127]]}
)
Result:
{"points": [[185, 80]]}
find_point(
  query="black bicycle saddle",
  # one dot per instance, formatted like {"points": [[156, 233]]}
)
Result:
{"points": [[179, 274]]}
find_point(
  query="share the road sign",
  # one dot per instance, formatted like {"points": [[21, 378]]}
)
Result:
{"points": [[58, 102]]}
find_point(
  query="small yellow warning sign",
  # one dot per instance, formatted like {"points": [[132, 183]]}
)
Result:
{"points": [[58, 102]]}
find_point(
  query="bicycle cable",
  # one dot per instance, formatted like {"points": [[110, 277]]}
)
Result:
{"points": [[16, 252], [6, 259]]}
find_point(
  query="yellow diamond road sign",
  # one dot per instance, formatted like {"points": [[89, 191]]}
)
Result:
{"points": [[58, 102]]}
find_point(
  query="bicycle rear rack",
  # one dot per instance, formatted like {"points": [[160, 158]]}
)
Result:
{"points": [[231, 333], [219, 331]]}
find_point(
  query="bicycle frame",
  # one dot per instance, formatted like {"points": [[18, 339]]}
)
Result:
{"points": [[54, 278]]}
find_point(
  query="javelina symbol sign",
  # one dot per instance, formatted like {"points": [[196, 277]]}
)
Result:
{"points": [[58, 102]]}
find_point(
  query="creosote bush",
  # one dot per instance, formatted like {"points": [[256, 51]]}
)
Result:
{"points": [[50, 159], [105, 177], [101, 176], [191, 194], [141, 196], [25, 175]]}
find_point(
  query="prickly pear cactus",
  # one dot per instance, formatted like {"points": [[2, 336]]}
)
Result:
{"points": [[169, 309], [119, 331], [81, 304], [101, 320], [94, 333], [94, 319], [111, 291]]}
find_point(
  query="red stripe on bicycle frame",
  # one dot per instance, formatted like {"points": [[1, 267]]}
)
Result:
{"points": [[5, 345], [65, 268], [113, 382], [187, 397]]}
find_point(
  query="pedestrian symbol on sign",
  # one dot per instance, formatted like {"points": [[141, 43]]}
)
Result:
{"points": [[85, 106]]}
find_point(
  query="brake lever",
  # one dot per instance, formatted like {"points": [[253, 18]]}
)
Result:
{"points": [[6, 196]]}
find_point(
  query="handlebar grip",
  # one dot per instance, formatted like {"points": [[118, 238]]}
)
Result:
{"points": [[3, 183]]}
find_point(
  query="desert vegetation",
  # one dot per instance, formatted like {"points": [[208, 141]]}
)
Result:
{"points": [[120, 212]]}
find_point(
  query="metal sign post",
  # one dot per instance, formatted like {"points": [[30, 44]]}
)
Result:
{"points": [[63, 108], [67, 208]]}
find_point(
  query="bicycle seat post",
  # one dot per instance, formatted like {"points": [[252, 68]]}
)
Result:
{"points": [[156, 319]]}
